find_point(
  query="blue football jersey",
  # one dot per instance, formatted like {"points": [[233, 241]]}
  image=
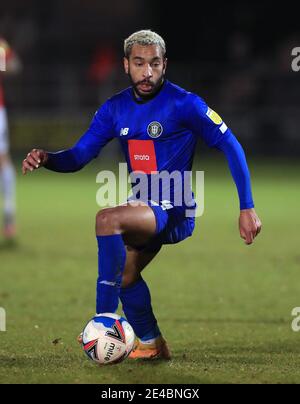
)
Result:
{"points": [[159, 136]]}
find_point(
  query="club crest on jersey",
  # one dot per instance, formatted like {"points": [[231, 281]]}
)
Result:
{"points": [[155, 129]]}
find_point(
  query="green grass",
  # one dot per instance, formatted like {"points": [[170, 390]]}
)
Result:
{"points": [[224, 308]]}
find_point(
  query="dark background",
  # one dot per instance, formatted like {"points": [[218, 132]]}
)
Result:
{"points": [[236, 55]]}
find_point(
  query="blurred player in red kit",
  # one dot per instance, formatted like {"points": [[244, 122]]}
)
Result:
{"points": [[10, 63]]}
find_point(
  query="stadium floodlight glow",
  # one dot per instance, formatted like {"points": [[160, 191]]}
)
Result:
{"points": [[2, 319], [296, 61], [2, 59]]}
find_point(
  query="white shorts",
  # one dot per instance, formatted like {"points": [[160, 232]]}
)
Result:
{"points": [[4, 145]]}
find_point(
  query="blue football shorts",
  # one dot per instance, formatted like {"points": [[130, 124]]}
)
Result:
{"points": [[172, 226]]}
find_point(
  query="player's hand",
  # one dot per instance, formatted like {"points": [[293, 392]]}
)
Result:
{"points": [[35, 159], [250, 225]]}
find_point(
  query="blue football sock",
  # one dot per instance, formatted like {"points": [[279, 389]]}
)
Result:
{"points": [[111, 263], [136, 301]]}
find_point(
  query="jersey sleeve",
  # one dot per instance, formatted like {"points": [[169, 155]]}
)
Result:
{"points": [[238, 166], [208, 125], [203, 121], [100, 132]]}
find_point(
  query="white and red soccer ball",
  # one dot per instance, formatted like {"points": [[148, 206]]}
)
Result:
{"points": [[108, 338]]}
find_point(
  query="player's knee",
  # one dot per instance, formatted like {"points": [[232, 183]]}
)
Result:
{"points": [[107, 221]]}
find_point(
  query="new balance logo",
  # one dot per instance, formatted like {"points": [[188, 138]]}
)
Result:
{"points": [[124, 131]]}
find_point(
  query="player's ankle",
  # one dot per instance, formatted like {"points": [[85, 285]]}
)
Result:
{"points": [[151, 337]]}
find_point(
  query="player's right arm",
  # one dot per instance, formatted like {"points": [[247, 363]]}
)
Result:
{"points": [[35, 159], [74, 159]]}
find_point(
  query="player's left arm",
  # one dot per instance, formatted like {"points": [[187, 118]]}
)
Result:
{"points": [[206, 123], [249, 222]]}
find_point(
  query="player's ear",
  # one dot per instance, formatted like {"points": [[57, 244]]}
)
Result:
{"points": [[126, 65]]}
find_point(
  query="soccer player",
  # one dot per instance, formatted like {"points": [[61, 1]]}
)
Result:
{"points": [[158, 125], [7, 173]]}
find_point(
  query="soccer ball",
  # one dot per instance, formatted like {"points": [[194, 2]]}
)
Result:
{"points": [[108, 338]]}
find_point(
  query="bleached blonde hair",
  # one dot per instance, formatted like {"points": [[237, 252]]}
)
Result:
{"points": [[144, 37]]}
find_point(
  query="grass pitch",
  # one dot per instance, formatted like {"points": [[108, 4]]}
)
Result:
{"points": [[224, 308]]}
